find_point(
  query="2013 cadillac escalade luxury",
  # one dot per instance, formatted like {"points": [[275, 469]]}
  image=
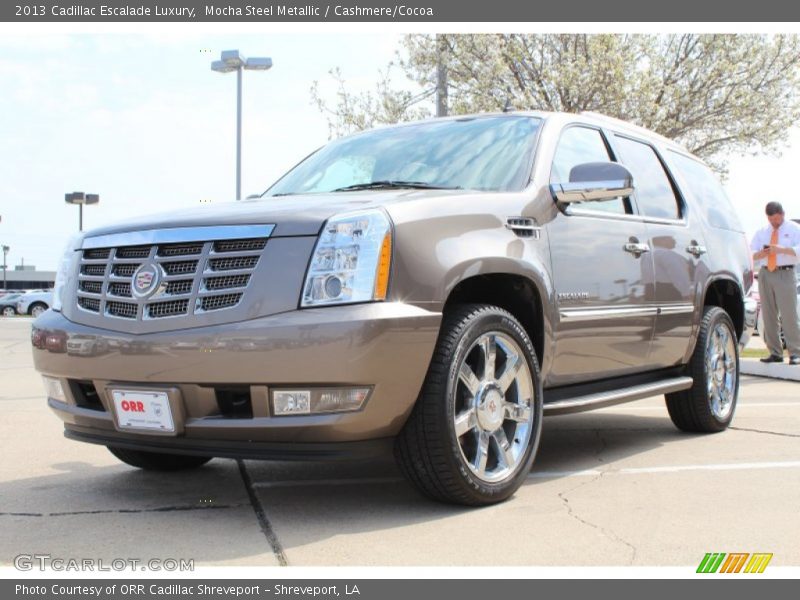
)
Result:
{"points": [[436, 287]]}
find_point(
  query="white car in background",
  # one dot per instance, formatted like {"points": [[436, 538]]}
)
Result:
{"points": [[34, 303]]}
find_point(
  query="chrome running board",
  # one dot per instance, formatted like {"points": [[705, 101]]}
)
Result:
{"points": [[627, 394]]}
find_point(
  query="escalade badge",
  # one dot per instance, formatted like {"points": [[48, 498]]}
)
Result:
{"points": [[146, 279]]}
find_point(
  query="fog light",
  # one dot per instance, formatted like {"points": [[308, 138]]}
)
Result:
{"points": [[291, 402], [338, 399], [318, 400], [53, 389]]}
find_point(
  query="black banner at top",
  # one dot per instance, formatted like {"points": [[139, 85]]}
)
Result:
{"points": [[401, 11]]}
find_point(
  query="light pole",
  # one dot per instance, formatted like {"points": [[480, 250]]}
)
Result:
{"points": [[80, 199], [6, 250], [232, 60]]}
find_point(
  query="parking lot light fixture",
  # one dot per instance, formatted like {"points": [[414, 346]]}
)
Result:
{"points": [[81, 198], [232, 60]]}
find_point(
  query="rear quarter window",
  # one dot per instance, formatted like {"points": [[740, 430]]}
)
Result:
{"points": [[704, 191]]}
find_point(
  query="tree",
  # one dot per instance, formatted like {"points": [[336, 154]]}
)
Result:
{"points": [[715, 94]]}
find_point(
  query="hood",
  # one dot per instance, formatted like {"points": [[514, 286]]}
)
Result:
{"points": [[292, 215]]}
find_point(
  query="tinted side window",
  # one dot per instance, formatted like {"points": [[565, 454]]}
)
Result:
{"points": [[576, 146], [654, 191], [700, 184]]}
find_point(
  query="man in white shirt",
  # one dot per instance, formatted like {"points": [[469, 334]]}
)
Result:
{"points": [[776, 248]]}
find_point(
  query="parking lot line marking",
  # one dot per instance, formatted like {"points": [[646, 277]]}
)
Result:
{"points": [[670, 469], [581, 473]]}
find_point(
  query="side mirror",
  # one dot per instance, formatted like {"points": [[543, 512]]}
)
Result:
{"points": [[594, 181]]}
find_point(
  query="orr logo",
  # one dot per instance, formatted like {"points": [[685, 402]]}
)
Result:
{"points": [[734, 562], [132, 406]]}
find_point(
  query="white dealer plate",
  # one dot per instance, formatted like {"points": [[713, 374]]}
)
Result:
{"points": [[142, 410]]}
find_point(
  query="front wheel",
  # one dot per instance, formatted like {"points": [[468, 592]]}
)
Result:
{"points": [[158, 461], [708, 406], [9, 311], [475, 429]]}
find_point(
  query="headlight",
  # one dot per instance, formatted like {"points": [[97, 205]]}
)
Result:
{"points": [[64, 271], [351, 261]]}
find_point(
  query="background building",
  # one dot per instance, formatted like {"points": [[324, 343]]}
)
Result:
{"points": [[26, 277]]}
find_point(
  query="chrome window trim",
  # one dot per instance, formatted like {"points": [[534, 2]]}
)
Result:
{"points": [[177, 235], [680, 198]]}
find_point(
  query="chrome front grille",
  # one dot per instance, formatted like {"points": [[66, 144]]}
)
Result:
{"points": [[174, 279], [232, 264], [119, 288], [126, 310], [181, 249], [173, 308], [92, 304], [133, 252]]}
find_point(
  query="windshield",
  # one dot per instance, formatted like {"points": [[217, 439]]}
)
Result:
{"points": [[476, 153]]}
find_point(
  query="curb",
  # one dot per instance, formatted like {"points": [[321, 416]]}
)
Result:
{"points": [[785, 371]]}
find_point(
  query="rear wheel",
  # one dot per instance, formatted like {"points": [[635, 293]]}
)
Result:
{"points": [[474, 431], [157, 461], [708, 406], [37, 309]]}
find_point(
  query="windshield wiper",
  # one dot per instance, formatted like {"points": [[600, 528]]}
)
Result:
{"points": [[374, 185]]}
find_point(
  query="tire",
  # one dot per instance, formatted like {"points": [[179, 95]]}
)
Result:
{"points": [[708, 406], [442, 458], [157, 461], [36, 309], [9, 311]]}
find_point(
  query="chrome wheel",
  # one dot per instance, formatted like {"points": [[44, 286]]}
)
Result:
{"points": [[493, 416], [721, 371], [9, 312], [37, 310]]}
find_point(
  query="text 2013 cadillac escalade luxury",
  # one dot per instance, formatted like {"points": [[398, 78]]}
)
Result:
{"points": [[434, 286]]}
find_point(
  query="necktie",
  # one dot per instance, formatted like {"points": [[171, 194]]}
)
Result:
{"points": [[772, 259]]}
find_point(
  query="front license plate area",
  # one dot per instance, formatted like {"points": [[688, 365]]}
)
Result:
{"points": [[143, 410]]}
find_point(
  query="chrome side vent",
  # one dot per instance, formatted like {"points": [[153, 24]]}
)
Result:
{"points": [[524, 227]]}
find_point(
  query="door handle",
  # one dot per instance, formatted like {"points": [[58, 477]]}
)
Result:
{"points": [[696, 250], [636, 248]]}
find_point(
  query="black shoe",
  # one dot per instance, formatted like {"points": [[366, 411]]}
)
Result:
{"points": [[775, 358], [794, 360]]}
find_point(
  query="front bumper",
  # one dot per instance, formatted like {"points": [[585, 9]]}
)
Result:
{"points": [[384, 345]]}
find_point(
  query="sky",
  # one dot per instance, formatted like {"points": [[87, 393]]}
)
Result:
{"points": [[144, 122]]}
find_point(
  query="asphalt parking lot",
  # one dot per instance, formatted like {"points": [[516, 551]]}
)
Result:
{"points": [[617, 487]]}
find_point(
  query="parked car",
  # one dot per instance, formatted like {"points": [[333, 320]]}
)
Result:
{"points": [[8, 304], [34, 303], [433, 287]]}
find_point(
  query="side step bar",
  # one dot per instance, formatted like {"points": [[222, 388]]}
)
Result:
{"points": [[627, 394]]}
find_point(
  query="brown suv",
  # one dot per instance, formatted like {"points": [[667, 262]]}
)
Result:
{"points": [[434, 286]]}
